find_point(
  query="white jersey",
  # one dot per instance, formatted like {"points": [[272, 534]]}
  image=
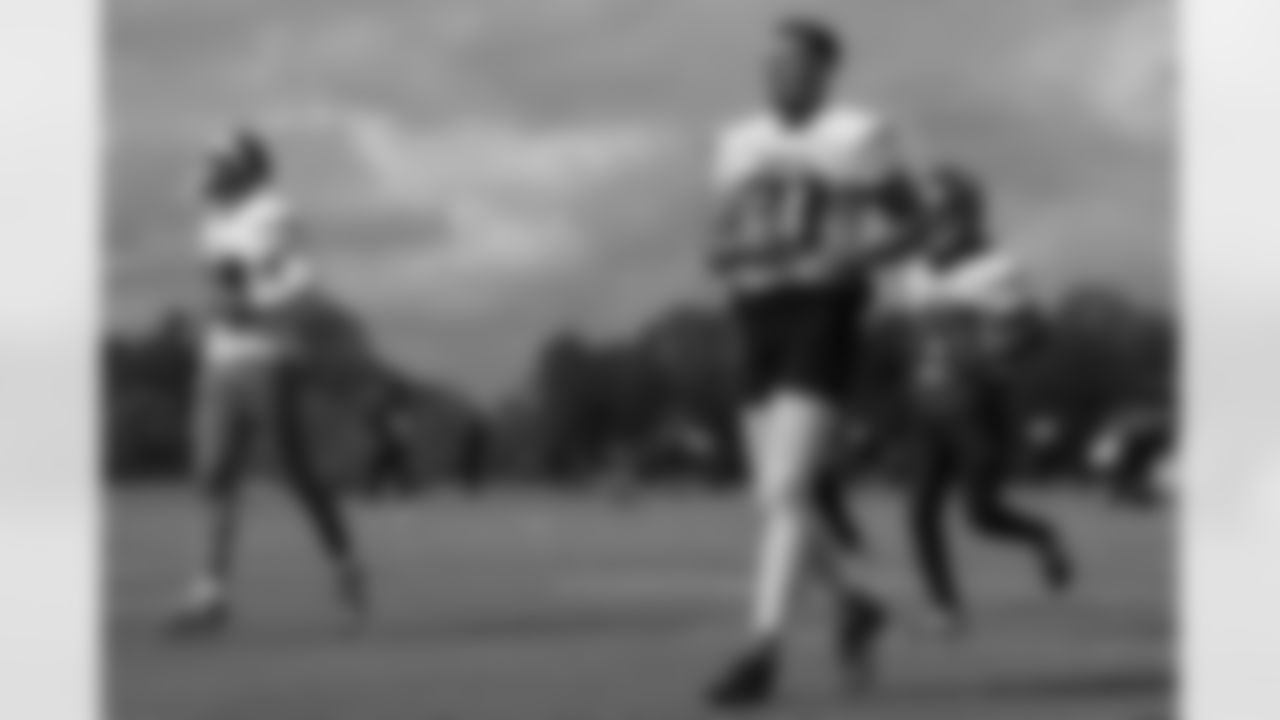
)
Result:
{"points": [[987, 285], [255, 237], [958, 311], [793, 170]]}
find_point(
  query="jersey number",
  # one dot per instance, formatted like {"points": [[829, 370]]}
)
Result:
{"points": [[781, 216]]}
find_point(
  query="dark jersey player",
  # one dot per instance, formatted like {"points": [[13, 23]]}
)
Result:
{"points": [[970, 319]]}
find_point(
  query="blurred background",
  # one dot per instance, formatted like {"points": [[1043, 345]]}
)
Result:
{"points": [[508, 198]]}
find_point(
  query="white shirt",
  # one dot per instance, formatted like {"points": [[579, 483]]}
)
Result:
{"points": [[839, 146], [255, 235], [987, 284], [258, 235], [952, 309], [841, 149]]}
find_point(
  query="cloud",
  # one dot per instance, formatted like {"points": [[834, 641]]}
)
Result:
{"points": [[1136, 82], [363, 45], [505, 167], [1117, 68], [421, 182], [489, 202]]}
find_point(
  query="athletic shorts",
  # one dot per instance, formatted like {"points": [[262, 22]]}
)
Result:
{"points": [[310, 332], [800, 339]]}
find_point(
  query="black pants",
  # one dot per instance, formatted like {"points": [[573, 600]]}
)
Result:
{"points": [[964, 443], [829, 502]]}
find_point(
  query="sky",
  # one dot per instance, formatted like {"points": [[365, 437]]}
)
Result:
{"points": [[477, 174]]}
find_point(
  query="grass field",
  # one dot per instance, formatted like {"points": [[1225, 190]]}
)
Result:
{"points": [[510, 608]]}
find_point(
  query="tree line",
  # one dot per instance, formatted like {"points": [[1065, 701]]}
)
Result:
{"points": [[656, 404]]}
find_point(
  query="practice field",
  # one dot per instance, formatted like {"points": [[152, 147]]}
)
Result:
{"points": [[509, 608]]}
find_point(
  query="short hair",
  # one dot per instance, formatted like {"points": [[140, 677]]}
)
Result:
{"points": [[816, 36], [248, 148], [960, 187], [239, 164]]}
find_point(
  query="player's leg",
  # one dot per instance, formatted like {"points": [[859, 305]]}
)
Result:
{"points": [[986, 480], [319, 502], [928, 516], [380, 481], [788, 427], [400, 467], [855, 587], [388, 466], [826, 371], [793, 431], [220, 435], [781, 429], [829, 501]]}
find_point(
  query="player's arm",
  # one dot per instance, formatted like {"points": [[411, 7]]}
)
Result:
{"points": [[720, 256], [895, 198], [291, 269], [881, 211], [723, 251]]}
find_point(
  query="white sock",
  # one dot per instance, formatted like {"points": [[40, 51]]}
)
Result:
{"points": [[781, 561]]}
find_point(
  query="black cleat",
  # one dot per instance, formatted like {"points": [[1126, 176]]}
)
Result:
{"points": [[862, 622], [749, 682]]}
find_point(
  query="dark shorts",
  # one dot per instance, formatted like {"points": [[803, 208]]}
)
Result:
{"points": [[800, 339]]}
